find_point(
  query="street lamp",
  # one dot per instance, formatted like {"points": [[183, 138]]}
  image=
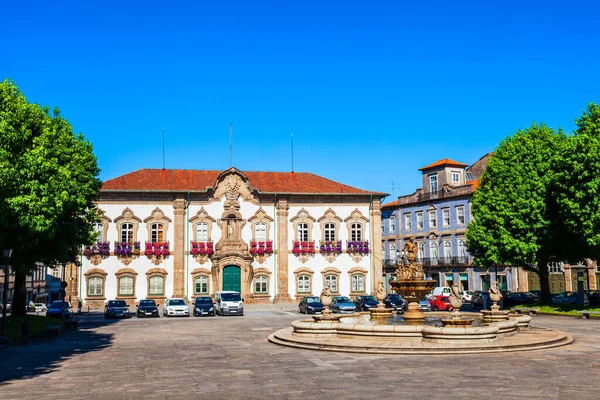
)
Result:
{"points": [[6, 253]]}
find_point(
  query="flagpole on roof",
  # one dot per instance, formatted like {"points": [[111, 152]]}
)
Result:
{"points": [[231, 144], [292, 137]]}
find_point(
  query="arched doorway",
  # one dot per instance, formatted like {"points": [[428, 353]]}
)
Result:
{"points": [[232, 278]]}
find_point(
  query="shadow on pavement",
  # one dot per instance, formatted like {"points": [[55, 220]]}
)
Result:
{"points": [[45, 355]]}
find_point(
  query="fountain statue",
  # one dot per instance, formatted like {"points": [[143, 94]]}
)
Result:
{"points": [[381, 311], [495, 313], [410, 282], [456, 303]]}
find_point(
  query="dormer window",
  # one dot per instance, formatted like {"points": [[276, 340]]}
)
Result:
{"points": [[433, 184], [456, 177]]}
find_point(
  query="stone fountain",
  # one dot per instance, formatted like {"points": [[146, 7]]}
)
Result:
{"points": [[409, 282], [456, 303], [495, 314], [381, 311]]}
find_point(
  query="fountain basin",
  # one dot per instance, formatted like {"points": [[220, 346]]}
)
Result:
{"points": [[359, 333]]}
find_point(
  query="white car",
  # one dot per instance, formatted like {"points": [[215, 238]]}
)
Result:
{"points": [[176, 306], [467, 295]]}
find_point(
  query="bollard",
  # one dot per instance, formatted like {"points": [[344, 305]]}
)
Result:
{"points": [[24, 330]]}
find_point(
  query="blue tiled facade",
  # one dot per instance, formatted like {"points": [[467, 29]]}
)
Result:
{"points": [[438, 221]]}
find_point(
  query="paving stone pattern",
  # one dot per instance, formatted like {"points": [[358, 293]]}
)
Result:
{"points": [[230, 358]]}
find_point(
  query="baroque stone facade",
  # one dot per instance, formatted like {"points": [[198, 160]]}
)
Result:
{"points": [[272, 236]]}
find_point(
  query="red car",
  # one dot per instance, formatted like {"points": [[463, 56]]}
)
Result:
{"points": [[440, 303]]}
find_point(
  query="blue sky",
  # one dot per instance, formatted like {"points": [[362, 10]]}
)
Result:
{"points": [[372, 91]]}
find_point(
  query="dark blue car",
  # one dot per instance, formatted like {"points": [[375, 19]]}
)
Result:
{"points": [[310, 305], [203, 305], [147, 308], [365, 303]]}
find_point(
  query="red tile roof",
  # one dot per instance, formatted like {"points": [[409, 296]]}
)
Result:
{"points": [[391, 204], [474, 183], [200, 180], [444, 162]]}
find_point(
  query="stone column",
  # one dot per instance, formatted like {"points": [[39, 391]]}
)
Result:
{"points": [[377, 263], [591, 271], [568, 278], [178, 249], [283, 293], [73, 285], [523, 280]]}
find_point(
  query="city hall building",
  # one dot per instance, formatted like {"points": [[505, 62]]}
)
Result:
{"points": [[273, 236]]}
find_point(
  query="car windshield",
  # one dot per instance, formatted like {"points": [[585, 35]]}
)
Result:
{"points": [[203, 300], [369, 298], [342, 299], [313, 300], [231, 297], [394, 297], [56, 304], [117, 303], [177, 302], [147, 303]]}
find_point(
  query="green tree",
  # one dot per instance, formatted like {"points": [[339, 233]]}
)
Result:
{"points": [[514, 221], [49, 187], [577, 188]]}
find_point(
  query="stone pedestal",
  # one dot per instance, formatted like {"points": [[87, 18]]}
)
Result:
{"points": [[381, 312]]}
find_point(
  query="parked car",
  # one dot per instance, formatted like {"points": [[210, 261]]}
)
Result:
{"points": [[593, 297], [8, 306], [424, 305], [147, 308], [537, 293], [396, 302], [569, 298], [365, 303], [203, 305], [175, 306], [467, 295], [517, 298], [310, 305], [481, 300], [37, 307], [58, 309], [229, 303], [342, 305], [440, 303], [116, 309]]}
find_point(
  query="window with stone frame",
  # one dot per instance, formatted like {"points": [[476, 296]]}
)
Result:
{"points": [[127, 233], [331, 281], [302, 232], [432, 219], [202, 232], [156, 285], [261, 284], [392, 250], [126, 286], [392, 222], [455, 177], [303, 284], [420, 251], [201, 284], [329, 233], [99, 232], [460, 215], [433, 252], [420, 220], [157, 233], [445, 217], [407, 222], [462, 248], [447, 250], [356, 232], [260, 231], [95, 285], [358, 283], [555, 268]]}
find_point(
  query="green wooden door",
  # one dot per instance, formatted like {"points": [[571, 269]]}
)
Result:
{"points": [[232, 278], [557, 283], [533, 281]]}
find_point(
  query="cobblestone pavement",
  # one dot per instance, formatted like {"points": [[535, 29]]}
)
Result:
{"points": [[230, 358]]}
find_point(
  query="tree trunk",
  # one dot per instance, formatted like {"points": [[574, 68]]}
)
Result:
{"points": [[544, 281], [19, 308]]}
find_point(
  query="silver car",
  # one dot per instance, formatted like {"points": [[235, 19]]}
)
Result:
{"points": [[424, 305], [176, 306], [342, 305]]}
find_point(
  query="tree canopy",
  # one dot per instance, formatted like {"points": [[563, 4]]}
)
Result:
{"points": [[49, 187], [513, 219]]}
